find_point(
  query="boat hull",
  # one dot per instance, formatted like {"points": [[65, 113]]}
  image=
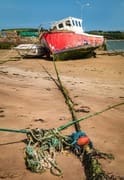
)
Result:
{"points": [[75, 53], [60, 42]]}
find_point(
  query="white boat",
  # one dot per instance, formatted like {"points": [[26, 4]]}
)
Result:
{"points": [[30, 50]]}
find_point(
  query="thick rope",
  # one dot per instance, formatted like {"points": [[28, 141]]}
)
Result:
{"points": [[68, 99], [89, 116]]}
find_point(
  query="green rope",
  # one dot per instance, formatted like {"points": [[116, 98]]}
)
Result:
{"points": [[65, 93], [70, 123], [68, 99], [41, 149], [14, 130]]}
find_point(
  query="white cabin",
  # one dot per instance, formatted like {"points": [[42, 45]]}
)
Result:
{"points": [[69, 24]]}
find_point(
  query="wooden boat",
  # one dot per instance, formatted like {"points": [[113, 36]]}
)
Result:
{"points": [[67, 39]]}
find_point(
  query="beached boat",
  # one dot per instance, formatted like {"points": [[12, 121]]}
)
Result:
{"points": [[29, 50], [67, 40]]}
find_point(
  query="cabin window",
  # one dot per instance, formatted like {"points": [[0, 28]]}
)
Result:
{"points": [[73, 22], [79, 23], [68, 23], [76, 23], [60, 25]]}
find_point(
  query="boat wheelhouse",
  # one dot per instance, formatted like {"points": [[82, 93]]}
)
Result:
{"points": [[69, 24]]}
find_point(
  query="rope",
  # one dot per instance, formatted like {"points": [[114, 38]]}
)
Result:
{"points": [[68, 99], [14, 130], [41, 150], [89, 116], [43, 145]]}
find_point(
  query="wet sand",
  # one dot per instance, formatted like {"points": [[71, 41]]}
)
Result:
{"points": [[27, 94]]}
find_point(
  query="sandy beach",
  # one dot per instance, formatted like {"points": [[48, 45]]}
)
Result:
{"points": [[30, 99]]}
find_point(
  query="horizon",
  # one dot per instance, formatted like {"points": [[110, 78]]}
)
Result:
{"points": [[21, 28], [96, 15]]}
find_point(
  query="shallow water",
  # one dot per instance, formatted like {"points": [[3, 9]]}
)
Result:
{"points": [[115, 45]]}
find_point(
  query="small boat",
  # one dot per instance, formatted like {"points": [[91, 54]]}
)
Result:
{"points": [[30, 50], [67, 40]]}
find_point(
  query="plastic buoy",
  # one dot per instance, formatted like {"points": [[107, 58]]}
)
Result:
{"points": [[83, 140]]}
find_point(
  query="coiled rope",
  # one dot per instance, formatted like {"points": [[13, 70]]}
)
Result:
{"points": [[42, 145]]}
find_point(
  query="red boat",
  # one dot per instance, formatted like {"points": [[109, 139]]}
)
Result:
{"points": [[66, 40]]}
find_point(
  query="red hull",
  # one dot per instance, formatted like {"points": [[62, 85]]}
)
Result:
{"points": [[59, 40]]}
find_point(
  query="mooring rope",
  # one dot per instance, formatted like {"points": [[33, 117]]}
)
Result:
{"points": [[90, 115]]}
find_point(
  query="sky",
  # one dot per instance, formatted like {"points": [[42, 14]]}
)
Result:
{"points": [[96, 14]]}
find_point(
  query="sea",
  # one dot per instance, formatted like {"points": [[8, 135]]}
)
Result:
{"points": [[115, 45]]}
